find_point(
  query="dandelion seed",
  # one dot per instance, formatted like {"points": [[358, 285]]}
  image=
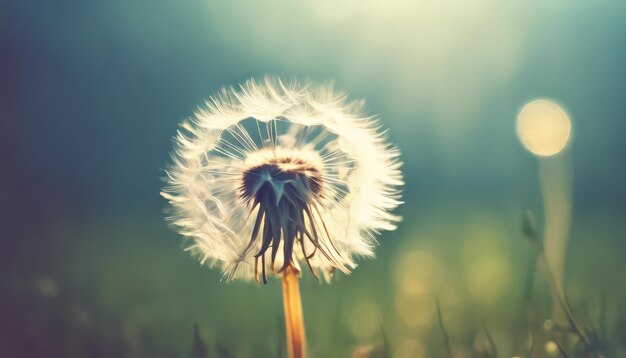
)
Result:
{"points": [[272, 177]]}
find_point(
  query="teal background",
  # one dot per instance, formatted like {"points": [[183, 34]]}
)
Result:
{"points": [[91, 94]]}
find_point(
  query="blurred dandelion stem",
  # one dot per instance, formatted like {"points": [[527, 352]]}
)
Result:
{"points": [[556, 188], [294, 321]]}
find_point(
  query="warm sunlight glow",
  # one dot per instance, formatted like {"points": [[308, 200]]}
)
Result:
{"points": [[364, 320], [410, 348], [543, 127], [416, 274]]}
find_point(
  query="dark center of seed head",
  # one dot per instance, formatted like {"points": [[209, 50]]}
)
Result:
{"points": [[285, 192], [278, 181]]}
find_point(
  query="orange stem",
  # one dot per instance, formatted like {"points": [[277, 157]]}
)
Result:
{"points": [[294, 321]]}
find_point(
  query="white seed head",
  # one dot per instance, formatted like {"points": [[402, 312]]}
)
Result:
{"points": [[274, 174]]}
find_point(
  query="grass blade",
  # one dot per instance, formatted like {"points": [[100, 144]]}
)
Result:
{"points": [[444, 332]]}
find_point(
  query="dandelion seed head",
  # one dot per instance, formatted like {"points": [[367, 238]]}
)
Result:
{"points": [[271, 175]]}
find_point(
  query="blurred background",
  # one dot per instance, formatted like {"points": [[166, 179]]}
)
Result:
{"points": [[91, 94]]}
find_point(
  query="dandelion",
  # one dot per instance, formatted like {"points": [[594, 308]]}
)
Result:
{"points": [[273, 177], [545, 129]]}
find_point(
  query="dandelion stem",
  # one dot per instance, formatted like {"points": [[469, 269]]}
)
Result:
{"points": [[294, 321], [556, 190]]}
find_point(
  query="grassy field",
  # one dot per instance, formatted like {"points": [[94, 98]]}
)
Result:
{"points": [[125, 288]]}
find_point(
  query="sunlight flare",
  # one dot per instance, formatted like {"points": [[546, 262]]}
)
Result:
{"points": [[543, 127]]}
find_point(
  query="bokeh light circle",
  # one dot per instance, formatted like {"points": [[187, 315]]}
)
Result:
{"points": [[543, 127]]}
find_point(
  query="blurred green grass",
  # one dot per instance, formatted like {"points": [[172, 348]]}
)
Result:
{"points": [[126, 288]]}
